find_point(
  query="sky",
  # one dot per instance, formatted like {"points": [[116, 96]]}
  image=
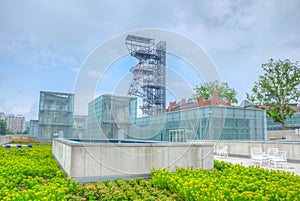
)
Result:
{"points": [[44, 44]]}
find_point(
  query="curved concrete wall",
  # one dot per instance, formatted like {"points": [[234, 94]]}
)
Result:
{"points": [[96, 161]]}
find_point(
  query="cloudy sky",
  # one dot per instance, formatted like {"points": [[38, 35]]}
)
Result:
{"points": [[44, 43]]}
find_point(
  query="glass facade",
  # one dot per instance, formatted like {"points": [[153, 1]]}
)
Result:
{"points": [[204, 123], [33, 128], [291, 123], [80, 125], [109, 117], [116, 117], [55, 115]]}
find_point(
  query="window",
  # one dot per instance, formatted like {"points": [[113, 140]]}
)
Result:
{"points": [[177, 135]]}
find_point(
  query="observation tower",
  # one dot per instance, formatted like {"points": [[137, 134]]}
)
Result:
{"points": [[149, 74]]}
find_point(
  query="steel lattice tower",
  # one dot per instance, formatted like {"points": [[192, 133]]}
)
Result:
{"points": [[149, 75]]}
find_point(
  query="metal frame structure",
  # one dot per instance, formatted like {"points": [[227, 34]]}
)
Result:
{"points": [[149, 75]]}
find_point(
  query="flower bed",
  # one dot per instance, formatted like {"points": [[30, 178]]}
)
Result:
{"points": [[32, 175], [229, 182], [35, 175]]}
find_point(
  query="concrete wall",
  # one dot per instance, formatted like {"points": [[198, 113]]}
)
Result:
{"points": [[280, 133], [294, 137], [5, 139], [19, 136], [63, 155], [91, 161], [243, 148]]}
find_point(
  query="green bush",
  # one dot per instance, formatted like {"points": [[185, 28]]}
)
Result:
{"points": [[35, 175], [229, 182], [32, 175]]}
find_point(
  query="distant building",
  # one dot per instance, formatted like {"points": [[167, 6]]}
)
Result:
{"points": [[55, 118], [183, 104], [247, 104], [15, 124], [2, 116], [295, 107]]}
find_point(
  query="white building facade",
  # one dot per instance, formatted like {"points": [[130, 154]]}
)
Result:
{"points": [[15, 124]]}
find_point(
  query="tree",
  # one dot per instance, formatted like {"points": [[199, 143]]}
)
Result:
{"points": [[2, 127], [277, 89], [208, 88]]}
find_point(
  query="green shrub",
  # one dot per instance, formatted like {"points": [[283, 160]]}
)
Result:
{"points": [[35, 175], [229, 182]]}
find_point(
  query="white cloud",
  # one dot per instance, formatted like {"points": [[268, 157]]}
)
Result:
{"points": [[29, 110], [95, 73], [37, 55], [76, 70], [238, 35]]}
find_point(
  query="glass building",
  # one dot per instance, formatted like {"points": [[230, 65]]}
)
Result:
{"points": [[109, 117], [33, 128], [80, 125], [115, 117], [291, 123], [55, 118]]}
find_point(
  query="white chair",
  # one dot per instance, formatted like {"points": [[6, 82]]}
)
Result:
{"points": [[272, 151], [280, 159], [223, 151], [258, 156]]}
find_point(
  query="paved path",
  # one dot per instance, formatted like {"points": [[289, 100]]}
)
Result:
{"points": [[291, 167]]}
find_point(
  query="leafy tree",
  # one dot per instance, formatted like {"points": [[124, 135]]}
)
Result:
{"points": [[208, 88], [277, 89], [2, 127]]}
